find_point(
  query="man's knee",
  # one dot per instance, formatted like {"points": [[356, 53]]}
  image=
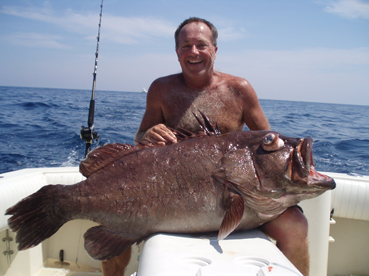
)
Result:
{"points": [[298, 222], [117, 265], [292, 224]]}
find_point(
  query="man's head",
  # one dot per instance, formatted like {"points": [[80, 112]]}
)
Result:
{"points": [[212, 28], [196, 51]]}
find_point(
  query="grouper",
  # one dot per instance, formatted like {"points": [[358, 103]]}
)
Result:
{"points": [[204, 183]]}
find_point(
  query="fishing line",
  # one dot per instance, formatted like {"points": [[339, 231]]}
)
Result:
{"points": [[79, 243], [88, 134]]}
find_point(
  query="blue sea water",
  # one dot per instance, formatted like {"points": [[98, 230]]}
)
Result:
{"points": [[39, 127]]}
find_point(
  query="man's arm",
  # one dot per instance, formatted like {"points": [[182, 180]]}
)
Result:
{"points": [[152, 126], [253, 115]]}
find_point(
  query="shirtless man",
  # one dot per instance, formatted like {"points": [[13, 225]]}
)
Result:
{"points": [[228, 100]]}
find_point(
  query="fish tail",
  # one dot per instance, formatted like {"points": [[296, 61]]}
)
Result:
{"points": [[36, 217]]}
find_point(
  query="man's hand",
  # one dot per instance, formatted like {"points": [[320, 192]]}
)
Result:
{"points": [[160, 134]]}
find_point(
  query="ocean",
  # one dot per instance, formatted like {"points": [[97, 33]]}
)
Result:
{"points": [[40, 127]]}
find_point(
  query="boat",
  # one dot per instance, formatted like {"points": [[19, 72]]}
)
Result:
{"points": [[338, 238], [144, 90]]}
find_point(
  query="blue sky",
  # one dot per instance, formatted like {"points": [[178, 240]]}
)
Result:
{"points": [[297, 50]]}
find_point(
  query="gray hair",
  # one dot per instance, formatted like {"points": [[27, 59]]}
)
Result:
{"points": [[212, 28]]}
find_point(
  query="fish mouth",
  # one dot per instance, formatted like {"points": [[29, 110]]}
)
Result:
{"points": [[304, 167]]}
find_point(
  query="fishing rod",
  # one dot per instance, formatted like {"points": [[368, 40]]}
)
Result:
{"points": [[88, 134]]}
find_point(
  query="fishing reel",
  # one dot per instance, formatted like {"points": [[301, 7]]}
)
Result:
{"points": [[88, 134]]}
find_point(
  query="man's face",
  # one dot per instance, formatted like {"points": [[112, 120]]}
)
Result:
{"points": [[196, 52]]}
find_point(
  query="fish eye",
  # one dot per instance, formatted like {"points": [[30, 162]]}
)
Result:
{"points": [[272, 142], [269, 138]]}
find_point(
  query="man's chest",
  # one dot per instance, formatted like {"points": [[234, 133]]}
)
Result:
{"points": [[221, 108]]}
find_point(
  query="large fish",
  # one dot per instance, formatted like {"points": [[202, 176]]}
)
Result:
{"points": [[215, 182]]}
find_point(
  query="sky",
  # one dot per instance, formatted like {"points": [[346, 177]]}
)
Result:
{"points": [[298, 50]]}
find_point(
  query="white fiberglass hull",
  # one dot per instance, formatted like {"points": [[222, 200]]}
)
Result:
{"points": [[339, 249]]}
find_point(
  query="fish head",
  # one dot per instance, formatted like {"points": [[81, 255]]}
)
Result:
{"points": [[272, 171], [285, 166]]}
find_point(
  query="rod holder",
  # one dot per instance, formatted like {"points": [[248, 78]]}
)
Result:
{"points": [[8, 252]]}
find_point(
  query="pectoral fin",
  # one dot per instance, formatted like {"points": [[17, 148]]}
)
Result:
{"points": [[102, 243], [233, 216]]}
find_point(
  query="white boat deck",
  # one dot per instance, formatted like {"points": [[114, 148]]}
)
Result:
{"points": [[346, 253]]}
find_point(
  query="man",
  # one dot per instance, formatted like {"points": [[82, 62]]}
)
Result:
{"points": [[228, 100], [171, 100]]}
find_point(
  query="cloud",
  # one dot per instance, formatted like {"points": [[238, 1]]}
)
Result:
{"points": [[143, 69], [37, 40], [349, 8], [316, 59], [30, 13], [316, 74], [231, 34], [131, 30], [69, 19], [124, 30]]}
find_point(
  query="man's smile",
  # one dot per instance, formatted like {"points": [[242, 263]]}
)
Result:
{"points": [[194, 61]]}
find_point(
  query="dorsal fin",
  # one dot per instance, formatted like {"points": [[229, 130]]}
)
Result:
{"points": [[207, 129], [207, 126], [183, 134], [103, 156]]}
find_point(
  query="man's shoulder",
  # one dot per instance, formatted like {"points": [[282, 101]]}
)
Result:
{"points": [[235, 82], [170, 79], [161, 87]]}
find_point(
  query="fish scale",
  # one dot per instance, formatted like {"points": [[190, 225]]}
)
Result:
{"points": [[203, 183]]}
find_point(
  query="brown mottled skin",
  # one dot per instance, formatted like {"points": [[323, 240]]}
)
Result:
{"points": [[204, 184]]}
